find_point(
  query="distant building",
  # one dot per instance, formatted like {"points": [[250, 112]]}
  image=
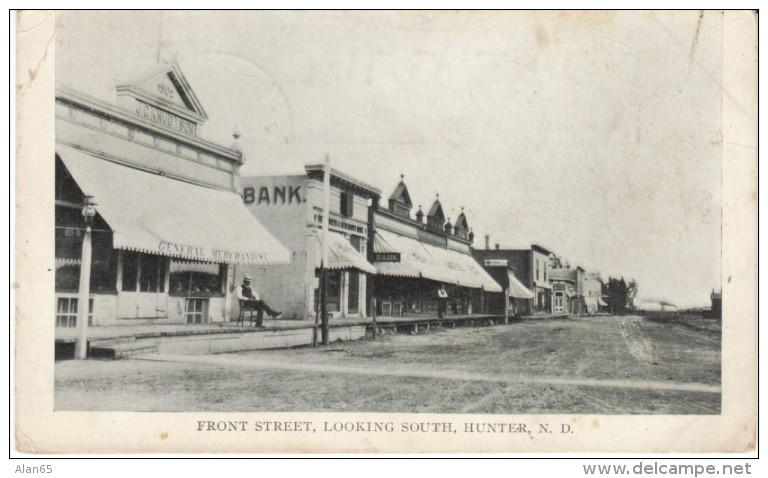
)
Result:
{"points": [[592, 293], [717, 304], [531, 268], [507, 277], [565, 296]]}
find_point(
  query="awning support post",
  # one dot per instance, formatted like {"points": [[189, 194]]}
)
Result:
{"points": [[323, 266], [506, 306], [81, 346], [83, 298]]}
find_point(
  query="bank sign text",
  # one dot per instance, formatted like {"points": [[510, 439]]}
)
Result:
{"points": [[276, 195]]}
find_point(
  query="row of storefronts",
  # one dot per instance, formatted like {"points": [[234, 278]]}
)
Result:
{"points": [[536, 286], [177, 229]]}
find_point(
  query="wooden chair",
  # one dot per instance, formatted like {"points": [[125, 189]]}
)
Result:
{"points": [[243, 310]]}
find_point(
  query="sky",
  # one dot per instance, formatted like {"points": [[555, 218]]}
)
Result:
{"points": [[597, 135]]}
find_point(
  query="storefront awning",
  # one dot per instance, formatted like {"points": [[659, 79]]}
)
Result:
{"points": [[157, 215], [422, 260], [392, 267], [341, 254], [467, 271], [413, 260], [516, 288]]}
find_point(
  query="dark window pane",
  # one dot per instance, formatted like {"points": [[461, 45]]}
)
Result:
{"points": [[347, 202], [152, 275], [67, 274], [334, 290], [354, 292], [196, 278], [130, 271]]}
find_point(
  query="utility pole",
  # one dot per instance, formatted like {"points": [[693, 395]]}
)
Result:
{"points": [[324, 263]]}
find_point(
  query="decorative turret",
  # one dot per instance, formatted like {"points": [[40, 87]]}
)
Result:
{"points": [[400, 201], [420, 215], [461, 227], [448, 227], [435, 216]]}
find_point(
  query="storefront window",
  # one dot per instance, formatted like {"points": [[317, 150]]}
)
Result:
{"points": [[334, 291], [199, 279], [68, 249], [130, 271], [353, 303], [152, 274], [143, 272]]}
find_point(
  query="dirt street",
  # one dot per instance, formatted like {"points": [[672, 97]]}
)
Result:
{"points": [[590, 365]]}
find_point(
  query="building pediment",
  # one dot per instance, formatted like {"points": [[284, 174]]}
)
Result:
{"points": [[166, 98]]}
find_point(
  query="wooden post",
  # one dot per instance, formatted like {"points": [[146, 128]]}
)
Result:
{"points": [[317, 321], [83, 298], [373, 316], [506, 306], [324, 264]]}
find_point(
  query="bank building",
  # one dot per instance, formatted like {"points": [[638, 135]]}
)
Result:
{"points": [[291, 208], [168, 226]]}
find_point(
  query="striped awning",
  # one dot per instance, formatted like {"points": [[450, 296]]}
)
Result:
{"points": [[516, 288], [423, 260], [154, 214], [341, 254], [414, 261]]}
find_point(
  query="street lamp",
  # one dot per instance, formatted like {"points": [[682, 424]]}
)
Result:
{"points": [[81, 346]]}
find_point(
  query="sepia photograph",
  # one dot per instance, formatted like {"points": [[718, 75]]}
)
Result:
{"points": [[371, 231]]}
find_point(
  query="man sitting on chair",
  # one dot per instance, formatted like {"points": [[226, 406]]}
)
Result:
{"points": [[250, 301]]}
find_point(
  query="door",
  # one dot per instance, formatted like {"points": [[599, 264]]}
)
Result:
{"points": [[559, 302], [142, 292]]}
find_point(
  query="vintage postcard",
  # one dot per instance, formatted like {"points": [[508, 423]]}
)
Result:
{"points": [[271, 232]]}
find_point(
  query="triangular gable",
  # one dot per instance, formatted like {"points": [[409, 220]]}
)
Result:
{"points": [[436, 211], [168, 90], [461, 222], [400, 194]]}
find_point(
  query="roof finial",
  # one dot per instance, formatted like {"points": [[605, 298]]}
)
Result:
{"points": [[236, 133], [437, 195], [402, 177]]}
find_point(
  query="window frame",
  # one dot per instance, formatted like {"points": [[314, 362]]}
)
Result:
{"points": [[347, 203]]}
